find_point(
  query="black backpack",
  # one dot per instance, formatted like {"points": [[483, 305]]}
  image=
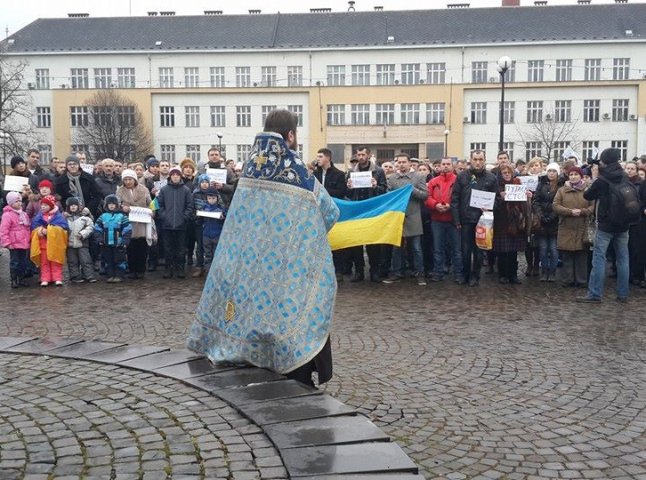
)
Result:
{"points": [[624, 208]]}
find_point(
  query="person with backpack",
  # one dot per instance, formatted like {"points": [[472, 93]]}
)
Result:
{"points": [[617, 209]]}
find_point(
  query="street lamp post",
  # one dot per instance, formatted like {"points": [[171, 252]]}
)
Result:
{"points": [[446, 142], [504, 63], [219, 134], [4, 151]]}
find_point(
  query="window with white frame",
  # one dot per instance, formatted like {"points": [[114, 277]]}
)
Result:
{"points": [[166, 77], [335, 75], [588, 149], [42, 78], [126, 115], [360, 74], [535, 111], [268, 76], [168, 153], [80, 148], [336, 114], [533, 149], [558, 148], [102, 116], [591, 109], [243, 116], [435, 113], [79, 77], [620, 110], [592, 69], [563, 110], [509, 112], [102, 77], [45, 154], [167, 116], [218, 118], [410, 73], [622, 146], [243, 76], [216, 76], [564, 70], [621, 68], [126, 77], [192, 115], [385, 74], [193, 152], [478, 112], [473, 146], [509, 148], [436, 73], [79, 116], [510, 74], [409, 113], [479, 72], [191, 77], [265, 109], [243, 152], [360, 114], [299, 150], [43, 117], [298, 111], [294, 76], [385, 113], [535, 70]]}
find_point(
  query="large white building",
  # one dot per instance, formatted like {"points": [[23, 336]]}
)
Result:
{"points": [[417, 81]]}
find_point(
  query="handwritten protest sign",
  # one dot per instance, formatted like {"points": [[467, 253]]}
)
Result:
{"points": [[482, 199], [216, 215], [14, 183], [515, 193], [361, 179], [217, 175], [140, 215], [530, 182]]}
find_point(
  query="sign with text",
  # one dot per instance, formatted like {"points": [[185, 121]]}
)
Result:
{"points": [[515, 193], [217, 175], [140, 215], [482, 199], [14, 183], [216, 215], [361, 179], [530, 181], [87, 168]]}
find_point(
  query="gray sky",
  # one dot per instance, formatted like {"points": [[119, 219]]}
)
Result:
{"points": [[18, 13]]}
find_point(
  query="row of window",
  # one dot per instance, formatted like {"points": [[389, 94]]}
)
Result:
{"points": [[384, 114], [537, 111], [337, 75], [218, 115], [537, 149]]}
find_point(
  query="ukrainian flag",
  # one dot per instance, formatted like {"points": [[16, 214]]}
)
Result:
{"points": [[373, 221]]}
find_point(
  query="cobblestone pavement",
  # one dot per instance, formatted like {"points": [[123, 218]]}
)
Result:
{"points": [[491, 382]]}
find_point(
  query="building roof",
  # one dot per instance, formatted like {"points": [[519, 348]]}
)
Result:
{"points": [[457, 26]]}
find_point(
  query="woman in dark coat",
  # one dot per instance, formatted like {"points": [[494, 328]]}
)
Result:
{"points": [[509, 229], [549, 221]]}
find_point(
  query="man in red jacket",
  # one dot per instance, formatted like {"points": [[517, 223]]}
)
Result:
{"points": [[445, 234]]}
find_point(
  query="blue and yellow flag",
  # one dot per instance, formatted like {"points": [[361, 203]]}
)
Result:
{"points": [[373, 221]]}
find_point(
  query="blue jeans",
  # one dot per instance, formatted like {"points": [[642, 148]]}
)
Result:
{"points": [[414, 246], [548, 253], [602, 241], [446, 237]]}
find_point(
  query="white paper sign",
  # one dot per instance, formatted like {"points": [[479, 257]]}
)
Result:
{"points": [[594, 153], [202, 213], [217, 175], [14, 183], [515, 193], [159, 184], [530, 182], [87, 168], [482, 199], [361, 179], [140, 215]]}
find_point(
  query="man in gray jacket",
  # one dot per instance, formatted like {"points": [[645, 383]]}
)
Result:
{"points": [[413, 230]]}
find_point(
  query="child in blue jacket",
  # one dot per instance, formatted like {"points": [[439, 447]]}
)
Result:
{"points": [[112, 230]]}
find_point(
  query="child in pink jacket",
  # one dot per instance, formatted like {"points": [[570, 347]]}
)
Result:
{"points": [[15, 234]]}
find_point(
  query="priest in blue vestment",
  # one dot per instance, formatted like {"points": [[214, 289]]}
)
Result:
{"points": [[269, 296]]}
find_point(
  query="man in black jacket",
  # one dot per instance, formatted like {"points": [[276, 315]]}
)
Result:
{"points": [[77, 183], [333, 180], [379, 187], [466, 217], [609, 229]]}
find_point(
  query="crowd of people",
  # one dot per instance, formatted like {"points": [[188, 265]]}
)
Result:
{"points": [[65, 215]]}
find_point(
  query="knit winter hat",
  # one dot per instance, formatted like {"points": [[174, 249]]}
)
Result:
{"points": [[152, 162], [46, 183], [575, 169], [49, 200], [72, 201], [203, 178], [554, 166], [111, 199], [13, 197], [187, 162], [212, 192], [72, 159], [610, 155], [176, 170], [16, 160], [128, 173]]}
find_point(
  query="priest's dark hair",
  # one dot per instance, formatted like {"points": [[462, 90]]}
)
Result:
{"points": [[281, 121]]}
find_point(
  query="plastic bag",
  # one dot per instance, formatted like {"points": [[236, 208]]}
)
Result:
{"points": [[484, 231]]}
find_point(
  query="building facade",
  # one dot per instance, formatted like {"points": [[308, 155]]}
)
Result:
{"points": [[422, 82]]}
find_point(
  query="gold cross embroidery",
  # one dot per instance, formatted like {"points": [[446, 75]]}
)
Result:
{"points": [[230, 311], [261, 161]]}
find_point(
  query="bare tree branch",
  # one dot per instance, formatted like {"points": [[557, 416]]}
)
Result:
{"points": [[550, 134]]}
